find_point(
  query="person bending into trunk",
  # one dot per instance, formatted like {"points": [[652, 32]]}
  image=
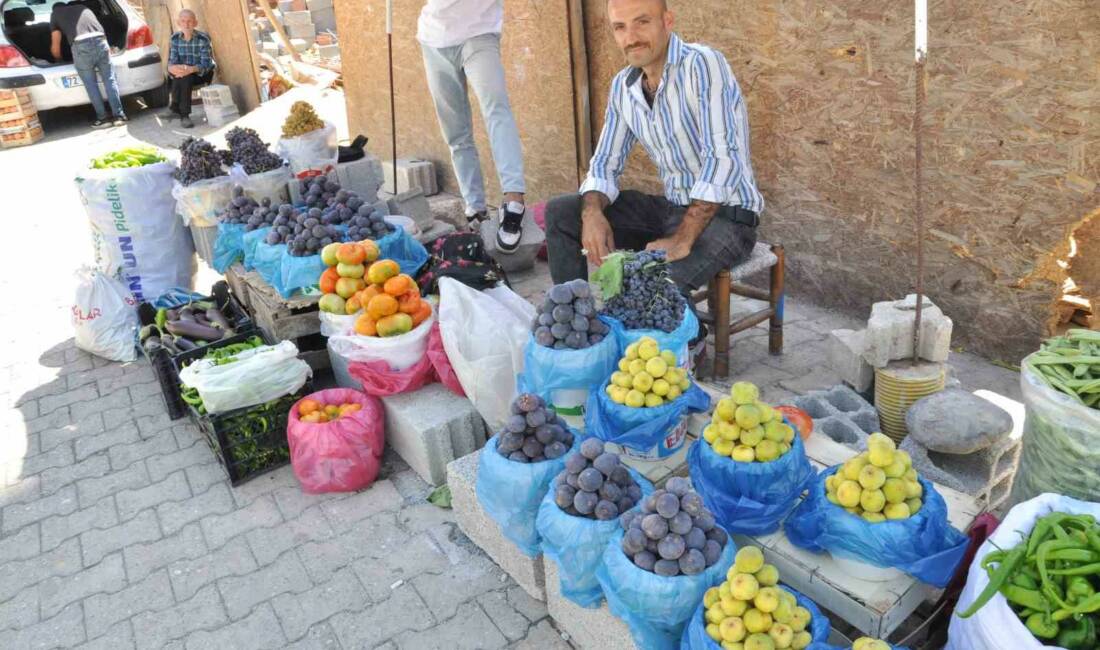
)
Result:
{"points": [[681, 101], [460, 41], [190, 64], [91, 55]]}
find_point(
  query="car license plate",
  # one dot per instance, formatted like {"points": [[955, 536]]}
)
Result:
{"points": [[71, 81]]}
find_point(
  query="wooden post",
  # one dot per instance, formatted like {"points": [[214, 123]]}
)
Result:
{"points": [[582, 118], [776, 296]]}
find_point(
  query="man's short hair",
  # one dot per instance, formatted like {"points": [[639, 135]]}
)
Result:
{"points": [[190, 13], [664, 4]]}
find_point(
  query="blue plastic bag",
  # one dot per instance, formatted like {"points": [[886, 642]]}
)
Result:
{"points": [[577, 545], [656, 608], [696, 638], [267, 259], [678, 340], [177, 297], [750, 498], [229, 246], [297, 273], [639, 428], [400, 247], [249, 241], [925, 546], [511, 492], [546, 370]]}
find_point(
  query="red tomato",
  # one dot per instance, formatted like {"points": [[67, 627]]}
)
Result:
{"points": [[798, 418]]}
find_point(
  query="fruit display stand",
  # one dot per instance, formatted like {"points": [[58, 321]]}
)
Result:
{"points": [[294, 319]]}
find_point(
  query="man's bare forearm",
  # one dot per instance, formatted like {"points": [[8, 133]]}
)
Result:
{"points": [[698, 215], [595, 201]]}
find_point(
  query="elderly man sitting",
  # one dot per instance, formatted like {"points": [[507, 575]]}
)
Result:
{"points": [[190, 64]]}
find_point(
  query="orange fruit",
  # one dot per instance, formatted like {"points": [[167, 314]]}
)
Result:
{"points": [[371, 291], [307, 406], [408, 303], [370, 250], [349, 408], [397, 285], [312, 418], [328, 280], [364, 326], [381, 306], [381, 271], [322, 418], [332, 409], [422, 313], [351, 253], [348, 287]]}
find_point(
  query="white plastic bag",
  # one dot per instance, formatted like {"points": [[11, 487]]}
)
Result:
{"points": [[311, 154], [484, 333], [995, 626], [337, 324], [134, 228], [272, 184], [257, 376], [398, 351], [200, 204], [104, 316]]}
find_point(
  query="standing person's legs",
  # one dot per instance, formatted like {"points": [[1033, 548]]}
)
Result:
{"points": [[636, 219], [84, 60], [481, 61], [107, 73], [447, 83]]}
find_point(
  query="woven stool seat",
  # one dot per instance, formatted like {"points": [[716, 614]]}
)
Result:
{"points": [[760, 259]]}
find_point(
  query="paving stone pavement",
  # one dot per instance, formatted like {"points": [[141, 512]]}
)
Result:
{"points": [[118, 528]]}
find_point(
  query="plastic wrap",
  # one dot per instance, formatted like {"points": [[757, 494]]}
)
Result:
{"points": [[546, 370], [310, 154], [257, 376], [925, 545], [229, 246], [639, 428], [343, 455], [272, 184], [750, 498], [201, 203], [695, 635], [250, 241], [402, 248], [399, 352]]}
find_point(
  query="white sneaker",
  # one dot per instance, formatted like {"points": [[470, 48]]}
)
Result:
{"points": [[511, 227]]}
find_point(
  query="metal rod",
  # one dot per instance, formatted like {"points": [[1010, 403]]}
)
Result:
{"points": [[920, 50], [393, 103]]}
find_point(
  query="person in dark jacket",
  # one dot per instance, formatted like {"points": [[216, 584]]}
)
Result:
{"points": [[190, 64], [91, 55]]}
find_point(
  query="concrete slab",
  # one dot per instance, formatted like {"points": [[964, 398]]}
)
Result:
{"points": [[588, 629], [431, 427]]}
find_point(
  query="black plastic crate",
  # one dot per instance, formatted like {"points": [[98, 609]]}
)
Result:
{"points": [[169, 379]]}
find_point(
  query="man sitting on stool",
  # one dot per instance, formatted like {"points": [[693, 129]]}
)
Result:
{"points": [[684, 105], [190, 64]]}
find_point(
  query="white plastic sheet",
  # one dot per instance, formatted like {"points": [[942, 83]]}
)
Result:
{"points": [[104, 316], [311, 154], [257, 376]]}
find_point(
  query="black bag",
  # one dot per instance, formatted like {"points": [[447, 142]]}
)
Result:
{"points": [[460, 256]]}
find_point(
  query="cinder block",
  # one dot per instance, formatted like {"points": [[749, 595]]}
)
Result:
{"points": [[306, 31], [324, 19], [845, 353], [286, 6], [270, 48], [316, 5], [530, 241], [588, 629], [412, 204], [430, 427], [297, 18], [437, 230], [842, 414], [412, 173], [300, 44], [483, 531], [332, 51], [889, 333], [363, 176]]}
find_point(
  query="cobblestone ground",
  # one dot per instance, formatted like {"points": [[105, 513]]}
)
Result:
{"points": [[118, 528]]}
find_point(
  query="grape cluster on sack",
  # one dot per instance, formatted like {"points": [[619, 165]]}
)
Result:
{"points": [[595, 484], [249, 151], [878, 484], [199, 160], [243, 209], [749, 611], [649, 298], [567, 319], [747, 429], [301, 120], [534, 432], [673, 533], [647, 376]]}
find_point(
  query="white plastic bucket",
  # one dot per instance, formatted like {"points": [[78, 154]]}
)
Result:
{"points": [[569, 404], [668, 446], [864, 571]]}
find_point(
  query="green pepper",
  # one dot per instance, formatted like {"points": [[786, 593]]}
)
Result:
{"points": [[1048, 585], [1078, 588], [1079, 570], [161, 318], [1041, 625], [1028, 598], [1080, 636], [1024, 580], [1006, 569]]}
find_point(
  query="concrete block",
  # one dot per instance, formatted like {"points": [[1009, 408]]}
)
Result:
{"points": [[438, 229], [845, 353], [412, 173], [300, 44], [297, 18], [889, 333], [588, 629], [317, 5], [483, 531], [449, 208], [842, 414], [332, 51], [324, 18], [431, 427], [306, 31], [270, 48], [363, 176], [531, 240], [412, 204], [286, 6]]}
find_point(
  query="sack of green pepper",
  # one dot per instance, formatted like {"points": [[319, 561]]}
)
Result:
{"points": [[1035, 583]]}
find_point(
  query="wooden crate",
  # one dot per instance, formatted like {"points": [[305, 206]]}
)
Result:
{"points": [[234, 275], [295, 319]]}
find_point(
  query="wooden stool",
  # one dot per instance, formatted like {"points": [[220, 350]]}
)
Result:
{"points": [[726, 282]]}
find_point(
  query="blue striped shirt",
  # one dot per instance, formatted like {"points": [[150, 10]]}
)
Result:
{"points": [[697, 132]]}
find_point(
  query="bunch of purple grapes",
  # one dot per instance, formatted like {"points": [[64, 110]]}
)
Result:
{"points": [[649, 299], [199, 160], [247, 149], [673, 533], [533, 433], [595, 484], [567, 318]]}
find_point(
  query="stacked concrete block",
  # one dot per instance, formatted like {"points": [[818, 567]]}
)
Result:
{"points": [[889, 334], [300, 44], [324, 19], [482, 530], [430, 427], [845, 353], [270, 48], [331, 51], [296, 18], [588, 629], [842, 414], [412, 174], [414, 205], [286, 6], [531, 240], [318, 5], [306, 31], [363, 176]]}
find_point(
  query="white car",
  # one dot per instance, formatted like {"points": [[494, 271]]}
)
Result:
{"points": [[26, 62]]}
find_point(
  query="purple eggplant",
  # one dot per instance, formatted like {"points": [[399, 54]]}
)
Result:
{"points": [[193, 330], [185, 314], [218, 319], [184, 344]]}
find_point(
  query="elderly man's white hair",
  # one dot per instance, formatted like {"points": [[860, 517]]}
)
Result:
{"points": [[189, 12]]}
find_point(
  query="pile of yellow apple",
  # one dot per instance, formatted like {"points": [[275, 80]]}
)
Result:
{"points": [[867, 643], [746, 429], [750, 611], [878, 484], [647, 376]]}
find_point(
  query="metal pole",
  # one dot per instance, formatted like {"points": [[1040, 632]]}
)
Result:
{"points": [[920, 53], [393, 109]]}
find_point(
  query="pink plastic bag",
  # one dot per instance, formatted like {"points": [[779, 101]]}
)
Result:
{"points": [[538, 211], [379, 379], [343, 455]]}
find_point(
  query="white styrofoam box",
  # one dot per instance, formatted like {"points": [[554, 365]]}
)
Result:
{"points": [[270, 48], [297, 18], [412, 174], [286, 6], [216, 95], [306, 31]]}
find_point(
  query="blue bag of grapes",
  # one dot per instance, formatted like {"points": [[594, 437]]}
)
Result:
{"points": [[924, 545], [510, 492], [643, 428], [577, 545], [678, 340], [750, 498], [400, 247], [696, 638], [655, 607], [249, 242], [229, 246]]}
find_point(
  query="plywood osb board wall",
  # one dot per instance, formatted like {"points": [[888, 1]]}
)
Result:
{"points": [[1011, 160], [537, 63]]}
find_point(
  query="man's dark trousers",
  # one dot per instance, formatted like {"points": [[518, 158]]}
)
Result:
{"points": [[180, 101], [637, 219]]}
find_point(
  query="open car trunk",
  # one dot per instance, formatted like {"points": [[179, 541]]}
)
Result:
{"points": [[26, 25]]}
